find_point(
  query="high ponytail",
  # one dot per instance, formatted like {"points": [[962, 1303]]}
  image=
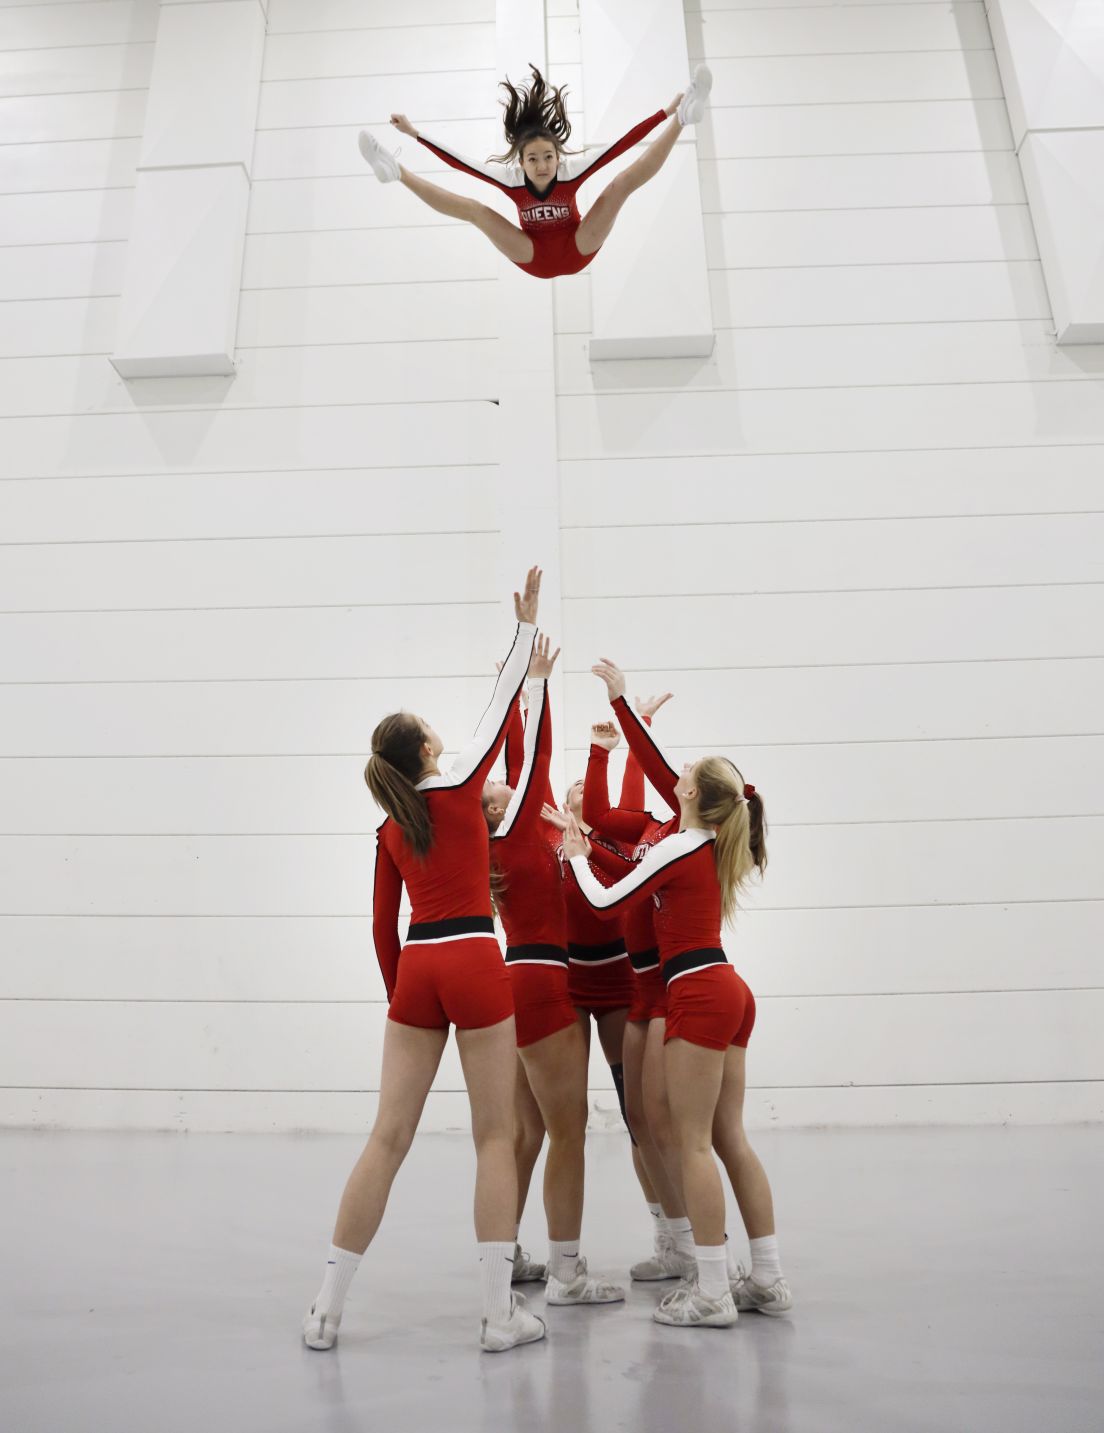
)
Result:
{"points": [[392, 771], [535, 110], [741, 823]]}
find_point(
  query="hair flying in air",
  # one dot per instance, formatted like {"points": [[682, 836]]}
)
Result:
{"points": [[535, 110]]}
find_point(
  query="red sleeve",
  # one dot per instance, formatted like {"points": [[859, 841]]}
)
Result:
{"points": [[627, 826], [581, 167], [386, 894], [596, 803], [515, 741], [648, 752], [612, 862], [523, 815], [632, 783], [490, 172]]}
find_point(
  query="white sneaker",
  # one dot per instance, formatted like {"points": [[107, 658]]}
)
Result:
{"points": [[520, 1327], [688, 1307], [582, 1289], [384, 164], [320, 1330], [695, 98], [748, 1295], [665, 1263], [525, 1270]]}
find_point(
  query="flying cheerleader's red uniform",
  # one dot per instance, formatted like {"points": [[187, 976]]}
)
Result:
{"points": [[707, 1002], [531, 905], [450, 969], [551, 218]]}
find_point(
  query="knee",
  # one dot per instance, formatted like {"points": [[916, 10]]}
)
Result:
{"points": [[730, 1142], [528, 1139], [393, 1140], [567, 1122]]}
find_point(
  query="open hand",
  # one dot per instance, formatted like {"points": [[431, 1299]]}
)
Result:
{"points": [[554, 816], [613, 677], [541, 663], [403, 125], [604, 734], [649, 707], [575, 843], [525, 604]]}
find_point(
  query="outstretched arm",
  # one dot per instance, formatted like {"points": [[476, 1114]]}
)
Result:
{"points": [[502, 176], [580, 167], [647, 876], [524, 810], [632, 782], [657, 768]]}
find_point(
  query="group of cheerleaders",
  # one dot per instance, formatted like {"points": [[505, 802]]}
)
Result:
{"points": [[611, 914]]}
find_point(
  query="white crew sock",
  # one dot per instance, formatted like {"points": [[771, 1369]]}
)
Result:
{"points": [[563, 1256], [765, 1267], [712, 1269], [340, 1269], [683, 1236], [659, 1226], [496, 1269]]}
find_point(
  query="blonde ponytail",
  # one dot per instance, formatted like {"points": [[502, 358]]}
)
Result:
{"points": [[741, 827], [391, 773]]}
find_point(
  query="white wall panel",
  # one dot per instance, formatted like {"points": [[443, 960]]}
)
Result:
{"points": [[92, 69], [816, 786], [54, 271], [801, 487], [918, 126], [841, 29], [818, 420], [851, 79], [81, 164], [384, 256], [860, 181], [108, 22], [1044, 946], [409, 50], [297, 16], [66, 218], [42, 328], [800, 557], [328, 153], [213, 441], [46, 119], [251, 504]]}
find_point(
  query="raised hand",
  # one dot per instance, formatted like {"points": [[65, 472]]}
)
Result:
{"points": [[541, 664], [649, 707], [575, 843], [554, 816], [604, 734], [403, 125], [526, 603], [613, 677]]}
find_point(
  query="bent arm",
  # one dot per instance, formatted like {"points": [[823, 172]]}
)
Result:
{"points": [[647, 876]]}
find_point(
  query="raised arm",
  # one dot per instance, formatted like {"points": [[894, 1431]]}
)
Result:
{"points": [[515, 745], [659, 866], [657, 768], [632, 782], [502, 176], [596, 802], [580, 167], [386, 895], [523, 814], [474, 762]]}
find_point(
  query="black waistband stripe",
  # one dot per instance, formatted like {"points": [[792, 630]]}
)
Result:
{"points": [[443, 930], [543, 953], [644, 959], [692, 960], [596, 952]]}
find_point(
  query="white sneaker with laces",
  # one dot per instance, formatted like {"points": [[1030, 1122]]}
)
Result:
{"points": [[320, 1330], [775, 1299], [688, 1307], [520, 1327], [525, 1270], [665, 1263], [582, 1289], [695, 99], [384, 164]]}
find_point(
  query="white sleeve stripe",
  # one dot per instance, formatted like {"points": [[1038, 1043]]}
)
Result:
{"points": [[503, 175], [657, 859], [650, 738], [494, 719], [538, 714]]}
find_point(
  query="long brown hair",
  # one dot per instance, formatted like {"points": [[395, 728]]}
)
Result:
{"points": [[741, 822], [535, 110], [392, 771]]}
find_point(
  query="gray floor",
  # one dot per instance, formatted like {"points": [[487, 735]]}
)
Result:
{"points": [[946, 1279]]}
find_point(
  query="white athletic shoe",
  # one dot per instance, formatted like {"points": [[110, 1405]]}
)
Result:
{"points": [[525, 1270], [695, 98], [384, 164], [688, 1307], [320, 1330], [665, 1263], [520, 1327], [582, 1289], [748, 1295]]}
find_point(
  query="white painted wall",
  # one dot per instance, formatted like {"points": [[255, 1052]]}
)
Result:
{"points": [[861, 542]]}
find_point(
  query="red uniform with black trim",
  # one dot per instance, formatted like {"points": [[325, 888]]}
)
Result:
{"points": [[707, 1002], [532, 904], [551, 218], [450, 969]]}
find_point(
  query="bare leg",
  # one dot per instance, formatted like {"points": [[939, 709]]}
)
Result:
{"points": [[489, 1060], [557, 1070], [507, 238], [611, 1032], [694, 1076], [657, 1112], [528, 1135], [593, 232], [410, 1059], [636, 1035], [749, 1181]]}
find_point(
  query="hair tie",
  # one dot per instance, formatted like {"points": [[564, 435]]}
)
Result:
{"points": [[749, 792]]}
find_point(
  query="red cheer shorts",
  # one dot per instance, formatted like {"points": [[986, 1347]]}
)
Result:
{"points": [[542, 1005], [461, 982], [710, 1006], [650, 999], [600, 977]]}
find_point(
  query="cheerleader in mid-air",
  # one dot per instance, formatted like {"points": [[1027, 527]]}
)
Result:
{"points": [[697, 873], [541, 177]]}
